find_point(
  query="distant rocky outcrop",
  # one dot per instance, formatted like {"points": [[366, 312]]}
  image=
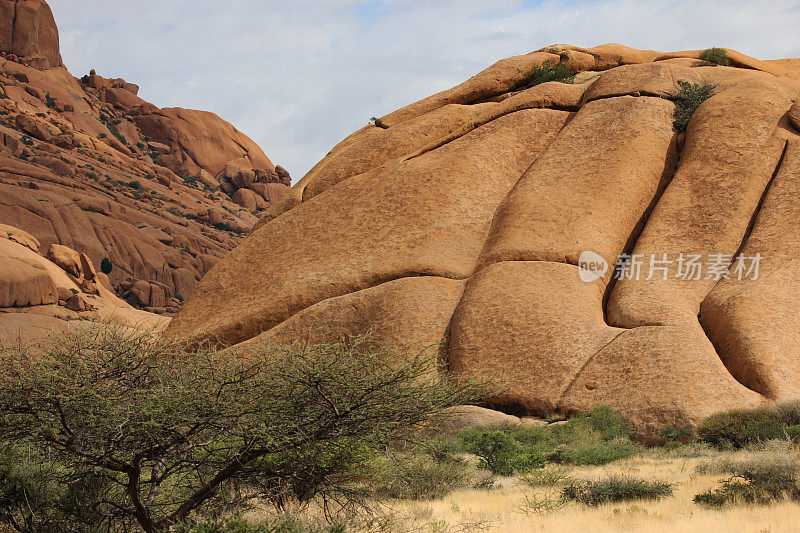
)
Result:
{"points": [[461, 222], [28, 33], [162, 194], [42, 294]]}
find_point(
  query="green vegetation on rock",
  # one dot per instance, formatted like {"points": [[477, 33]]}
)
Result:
{"points": [[714, 56], [687, 100], [549, 71]]}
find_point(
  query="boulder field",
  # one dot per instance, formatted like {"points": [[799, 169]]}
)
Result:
{"points": [[45, 294], [459, 222], [86, 163]]}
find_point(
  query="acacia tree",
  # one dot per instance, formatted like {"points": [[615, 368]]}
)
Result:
{"points": [[164, 430]]}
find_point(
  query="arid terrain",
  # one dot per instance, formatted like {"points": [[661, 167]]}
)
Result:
{"points": [[509, 509], [559, 296]]}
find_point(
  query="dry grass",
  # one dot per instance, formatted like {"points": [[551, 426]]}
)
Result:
{"points": [[505, 509], [520, 505]]}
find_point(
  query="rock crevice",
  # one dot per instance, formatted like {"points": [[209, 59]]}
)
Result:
{"points": [[492, 186]]}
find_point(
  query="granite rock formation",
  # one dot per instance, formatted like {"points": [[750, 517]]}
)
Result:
{"points": [[462, 220], [86, 163]]}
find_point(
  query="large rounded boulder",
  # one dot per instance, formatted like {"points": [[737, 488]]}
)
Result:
{"points": [[464, 221]]}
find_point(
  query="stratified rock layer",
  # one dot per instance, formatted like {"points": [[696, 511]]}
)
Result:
{"points": [[461, 223], [162, 194]]}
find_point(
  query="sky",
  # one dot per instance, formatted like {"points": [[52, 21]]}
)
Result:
{"points": [[297, 76]]}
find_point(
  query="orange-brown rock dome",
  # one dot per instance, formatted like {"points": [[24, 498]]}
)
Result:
{"points": [[462, 220]]}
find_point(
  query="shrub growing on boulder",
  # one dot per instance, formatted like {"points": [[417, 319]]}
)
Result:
{"points": [[688, 99], [378, 122], [549, 71], [106, 266], [714, 56]]}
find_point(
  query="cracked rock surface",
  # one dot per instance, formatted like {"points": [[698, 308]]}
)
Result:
{"points": [[88, 164], [460, 223]]}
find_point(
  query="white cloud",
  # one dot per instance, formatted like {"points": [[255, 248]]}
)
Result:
{"points": [[299, 75]]}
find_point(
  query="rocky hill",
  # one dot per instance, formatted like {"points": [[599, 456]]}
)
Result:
{"points": [[45, 294], [162, 194], [462, 219]]}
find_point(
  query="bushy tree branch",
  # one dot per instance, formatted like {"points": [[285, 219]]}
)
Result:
{"points": [[174, 429]]}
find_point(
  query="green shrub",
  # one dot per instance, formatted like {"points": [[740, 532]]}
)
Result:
{"points": [[687, 100], [754, 483], [106, 266], [789, 412], [38, 495], [594, 438], [601, 423], [442, 448], [615, 489], [528, 460], [49, 101], [116, 133], [496, 449], [739, 428], [378, 122], [26, 140], [422, 478], [593, 453], [768, 473], [549, 71], [609, 423], [793, 432], [671, 434], [501, 453], [531, 436], [764, 430], [714, 56]]}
